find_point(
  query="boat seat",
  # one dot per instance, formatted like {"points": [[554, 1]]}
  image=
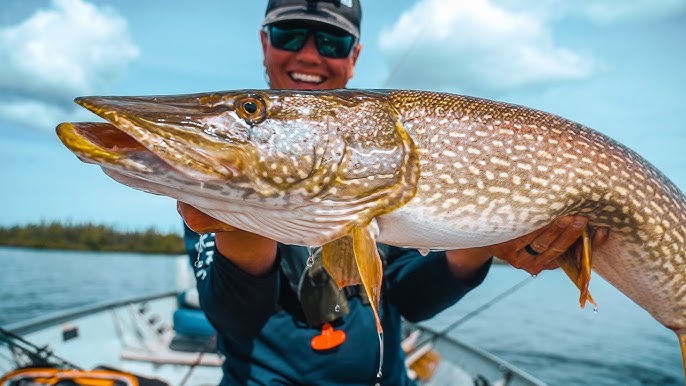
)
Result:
{"points": [[192, 322], [189, 320], [189, 299]]}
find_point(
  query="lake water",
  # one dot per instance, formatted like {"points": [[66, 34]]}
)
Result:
{"points": [[38, 282], [539, 328]]}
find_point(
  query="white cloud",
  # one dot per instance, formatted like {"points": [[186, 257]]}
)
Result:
{"points": [[605, 11], [72, 48], [474, 46], [599, 11]]}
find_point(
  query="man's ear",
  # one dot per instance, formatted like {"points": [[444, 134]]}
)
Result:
{"points": [[353, 59], [265, 44]]}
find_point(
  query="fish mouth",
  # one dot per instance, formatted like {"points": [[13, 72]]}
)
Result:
{"points": [[103, 143], [145, 133]]}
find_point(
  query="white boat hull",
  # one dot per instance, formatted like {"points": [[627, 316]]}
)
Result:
{"points": [[126, 335]]}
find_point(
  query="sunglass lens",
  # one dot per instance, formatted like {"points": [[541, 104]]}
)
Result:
{"points": [[334, 45], [292, 39]]}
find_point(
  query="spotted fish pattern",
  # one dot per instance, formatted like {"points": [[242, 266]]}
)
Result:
{"points": [[409, 168]]}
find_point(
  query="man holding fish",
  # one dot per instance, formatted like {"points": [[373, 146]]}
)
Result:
{"points": [[280, 318]]}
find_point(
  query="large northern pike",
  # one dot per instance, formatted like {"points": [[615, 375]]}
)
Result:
{"points": [[346, 168]]}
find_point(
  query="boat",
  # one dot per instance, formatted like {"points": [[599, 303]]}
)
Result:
{"points": [[137, 336], [164, 339]]}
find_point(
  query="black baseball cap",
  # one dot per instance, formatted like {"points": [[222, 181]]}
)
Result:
{"points": [[342, 14]]}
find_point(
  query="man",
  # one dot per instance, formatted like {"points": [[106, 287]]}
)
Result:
{"points": [[279, 320]]}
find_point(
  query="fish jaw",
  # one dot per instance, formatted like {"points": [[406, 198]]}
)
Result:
{"points": [[173, 129], [206, 137], [102, 143]]}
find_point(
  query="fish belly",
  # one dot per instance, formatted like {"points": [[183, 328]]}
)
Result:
{"points": [[419, 227]]}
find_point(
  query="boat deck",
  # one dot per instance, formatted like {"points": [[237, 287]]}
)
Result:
{"points": [[135, 335]]}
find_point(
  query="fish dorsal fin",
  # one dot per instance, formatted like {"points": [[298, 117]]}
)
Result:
{"points": [[576, 263]]}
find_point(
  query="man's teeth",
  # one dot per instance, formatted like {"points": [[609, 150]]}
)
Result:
{"points": [[306, 78]]}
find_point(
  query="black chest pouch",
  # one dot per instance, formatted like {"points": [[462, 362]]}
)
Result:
{"points": [[319, 296]]}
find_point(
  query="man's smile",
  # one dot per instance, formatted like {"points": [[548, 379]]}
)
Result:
{"points": [[309, 78]]}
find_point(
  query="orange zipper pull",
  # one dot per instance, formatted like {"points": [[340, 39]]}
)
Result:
{"points": [[328, 339]]}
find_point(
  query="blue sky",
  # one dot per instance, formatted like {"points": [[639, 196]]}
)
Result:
{"points": [[617, 66]]}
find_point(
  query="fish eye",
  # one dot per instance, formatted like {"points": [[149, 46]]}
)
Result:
{"points": [[251, 108]]}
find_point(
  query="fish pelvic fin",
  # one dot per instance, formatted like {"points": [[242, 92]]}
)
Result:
{"points": [[576, 263], [354, 259], [370, 267]]}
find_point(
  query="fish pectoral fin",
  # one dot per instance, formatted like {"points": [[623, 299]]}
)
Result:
{"points": [[576, 263], [354, 259], [338, 257]]}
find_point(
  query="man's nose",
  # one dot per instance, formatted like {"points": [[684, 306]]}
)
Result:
{"points": [[309, 52]]}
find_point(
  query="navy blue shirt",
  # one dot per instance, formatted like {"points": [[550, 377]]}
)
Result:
{"points": [[266, 340]]}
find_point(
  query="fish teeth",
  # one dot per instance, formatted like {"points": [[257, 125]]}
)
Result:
{"points": [[306, 77]]}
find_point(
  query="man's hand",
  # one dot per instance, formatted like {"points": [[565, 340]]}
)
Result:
{"points": [[538, 250], [250, 252], [198, 221], [533, 252]]}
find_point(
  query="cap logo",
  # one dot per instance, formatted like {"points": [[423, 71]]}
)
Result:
{"points": [[312, 4]]}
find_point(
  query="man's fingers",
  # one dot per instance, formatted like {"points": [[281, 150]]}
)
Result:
{"points": [[539, 250], [552, 265], [198, 221], [560, 236], [550, 243], [542, 242]]}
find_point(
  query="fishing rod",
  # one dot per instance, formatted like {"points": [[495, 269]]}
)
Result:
{"points": [[398, 64], [424, 368], [38, 356], [445, 331]]}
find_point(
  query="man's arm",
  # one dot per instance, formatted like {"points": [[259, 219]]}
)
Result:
{"points": [[420, 287], [257, 254], [252, 253], [240, 290]]}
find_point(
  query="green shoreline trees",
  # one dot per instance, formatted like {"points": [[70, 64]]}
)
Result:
{"points": [[90, 237], [93, 237]]}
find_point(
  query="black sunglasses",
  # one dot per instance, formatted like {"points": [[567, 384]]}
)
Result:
{"points": [[329, 44]]}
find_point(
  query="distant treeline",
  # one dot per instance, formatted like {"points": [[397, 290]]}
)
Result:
{"points": [[90, 237]]}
